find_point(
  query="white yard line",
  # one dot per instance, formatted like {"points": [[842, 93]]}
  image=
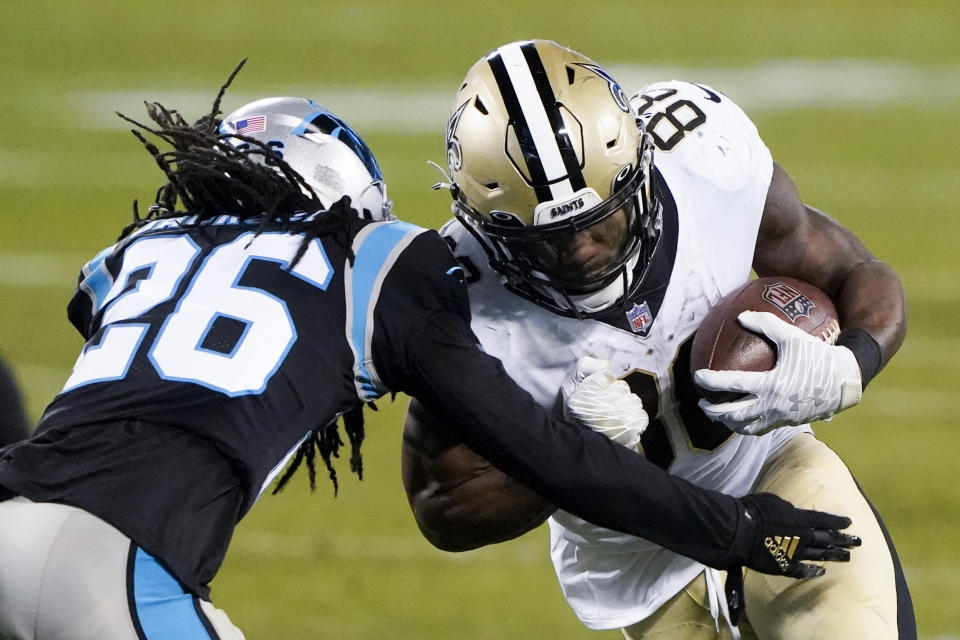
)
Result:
{"points": [[38, 269], [422, 108], [770, 85], [917, 404]]}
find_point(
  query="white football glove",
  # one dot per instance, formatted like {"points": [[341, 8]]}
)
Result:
{"points": [[595, 397], [812, 380]]}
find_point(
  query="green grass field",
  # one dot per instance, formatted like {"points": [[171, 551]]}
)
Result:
{"points": [[857, 100]]}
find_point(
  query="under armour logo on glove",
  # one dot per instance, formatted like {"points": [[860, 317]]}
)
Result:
{"points": [[816, 399]]}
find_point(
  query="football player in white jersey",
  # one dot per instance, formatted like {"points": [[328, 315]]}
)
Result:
{"points": [[593, 226]]}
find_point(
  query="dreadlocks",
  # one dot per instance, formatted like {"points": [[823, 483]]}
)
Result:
{"points": [[209, 176], [327, 440]]}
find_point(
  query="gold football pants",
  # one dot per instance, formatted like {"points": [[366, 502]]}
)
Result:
{"points": [[865, 598]]}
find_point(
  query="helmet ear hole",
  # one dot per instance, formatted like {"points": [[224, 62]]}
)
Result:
{"points": [[480, 106], [506, 218], [570, 74]]}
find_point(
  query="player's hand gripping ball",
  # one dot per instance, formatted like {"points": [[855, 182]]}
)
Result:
{"points": [[723, 343], [781, 329]]}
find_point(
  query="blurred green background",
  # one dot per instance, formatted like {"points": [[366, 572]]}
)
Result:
{"points": [[858, 100]]}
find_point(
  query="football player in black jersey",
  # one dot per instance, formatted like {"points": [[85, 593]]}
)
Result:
{"points": [[267, 292]]}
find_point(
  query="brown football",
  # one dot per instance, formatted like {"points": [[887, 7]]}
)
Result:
{"points": [[722, 343]]}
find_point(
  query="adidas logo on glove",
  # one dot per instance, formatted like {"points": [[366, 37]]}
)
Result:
{"points": [[782, 549]]}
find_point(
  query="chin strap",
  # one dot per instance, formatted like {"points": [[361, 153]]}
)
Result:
{"points": [[607, 296], [449, 185]]}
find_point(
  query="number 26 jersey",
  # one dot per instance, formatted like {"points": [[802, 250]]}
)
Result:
{"points": [[211, 353]]}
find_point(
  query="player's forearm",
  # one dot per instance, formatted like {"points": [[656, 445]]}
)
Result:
{"points": [[797, 240], [459, 500], [480, 511], [871, 298]]}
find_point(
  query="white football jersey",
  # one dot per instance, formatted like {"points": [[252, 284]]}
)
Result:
{"points": [[716, 171]]}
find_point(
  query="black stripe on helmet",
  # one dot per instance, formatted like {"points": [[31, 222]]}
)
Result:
{"points": [[552, 108], [515, 112]]}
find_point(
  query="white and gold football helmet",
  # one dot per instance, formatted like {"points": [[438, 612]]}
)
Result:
{"points": [[543, 148]]}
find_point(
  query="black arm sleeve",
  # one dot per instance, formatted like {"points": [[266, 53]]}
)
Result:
{"points": [[574, 468], [434, 356]]}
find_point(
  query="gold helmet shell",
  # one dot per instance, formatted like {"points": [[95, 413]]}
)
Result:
{"points": [[541, 142]]}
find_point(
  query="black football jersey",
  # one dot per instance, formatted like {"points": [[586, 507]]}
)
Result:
{"points": [[210, 357], [211, 354]]}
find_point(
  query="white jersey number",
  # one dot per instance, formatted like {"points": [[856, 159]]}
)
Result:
{"points": [[150, 275]]}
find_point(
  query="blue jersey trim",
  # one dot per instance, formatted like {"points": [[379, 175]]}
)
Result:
{"points": [[97, 280], [375, 256], [164, 610]]}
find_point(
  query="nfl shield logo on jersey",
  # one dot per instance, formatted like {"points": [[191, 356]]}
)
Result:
{"points": [[640, 318]]}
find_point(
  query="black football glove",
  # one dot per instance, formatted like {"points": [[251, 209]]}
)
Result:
{"points": [[775, 537]]}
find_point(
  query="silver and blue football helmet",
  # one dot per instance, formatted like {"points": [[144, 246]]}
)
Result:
{"points": [[332, 159]]}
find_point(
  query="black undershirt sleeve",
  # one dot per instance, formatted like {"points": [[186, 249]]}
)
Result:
{"points": [[429, 351]]}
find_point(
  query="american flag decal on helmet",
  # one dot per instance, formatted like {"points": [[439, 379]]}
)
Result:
{"points": [[253, 124]]}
